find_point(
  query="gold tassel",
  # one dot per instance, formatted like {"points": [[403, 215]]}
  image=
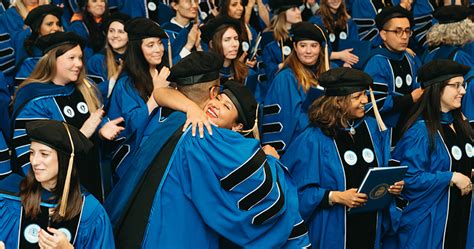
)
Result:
{"points": [[326, 53], [254, 128], [380, 122], [65, 196], [170, 57], [282, 54]]}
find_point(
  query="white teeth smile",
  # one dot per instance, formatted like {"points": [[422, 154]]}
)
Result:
{"points": [[211, 112]]}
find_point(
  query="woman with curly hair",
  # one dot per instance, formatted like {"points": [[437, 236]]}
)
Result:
{"points": [[329, 160]]}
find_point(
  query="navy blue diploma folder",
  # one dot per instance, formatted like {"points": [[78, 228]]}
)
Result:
{"points": [[375, 185]]}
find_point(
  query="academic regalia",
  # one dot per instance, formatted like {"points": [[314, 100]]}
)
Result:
{"points": [[424, 222], [363, 14], [394, 76], [39, 101], [319, 164], [5, 167], [12, 20], [26, 68], [126, 102], [154, 10], [285, 110], [90, 229], [178, 37], [7, 58], [272, 56], [187, 208], [5, 99], [97, 71]]}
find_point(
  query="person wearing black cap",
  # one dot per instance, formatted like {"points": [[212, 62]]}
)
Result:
{"points": [[89, 24], [223, 36], [393, 69], [48, 208], [42, 20], [451, 39], [145, 69], [437, 147], [106, 66], [200, 189], [277, 41], [294, 86], [57, 89], [330, 158]]}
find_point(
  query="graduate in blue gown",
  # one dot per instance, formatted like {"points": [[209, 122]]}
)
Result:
{"points": [[329, 160], [333, 17], [279, 47], [437, 148], [105, 67], [393, 69], [295, 87], [145, 70], [447, 40], [224, 36], [174, 207], [42, 20], [58, 90], [36, 211]]}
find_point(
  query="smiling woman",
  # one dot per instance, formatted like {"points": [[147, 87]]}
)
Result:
{"points": [[57, 89], [55, 212]]}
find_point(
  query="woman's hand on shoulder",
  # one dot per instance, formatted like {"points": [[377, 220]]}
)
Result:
{"points": [[270, 150], [57, 240], [197, 118]]}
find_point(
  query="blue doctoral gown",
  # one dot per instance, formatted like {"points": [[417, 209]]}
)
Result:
{"points": [[285, 110], [94, 230], [206, 192], [316, 167], [427, 181], [394, 76]]}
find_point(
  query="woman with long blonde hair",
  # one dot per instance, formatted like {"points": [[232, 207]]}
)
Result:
{"points": [[294, 87], [57, 89]]}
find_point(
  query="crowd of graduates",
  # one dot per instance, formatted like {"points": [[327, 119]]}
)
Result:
{"points": [[235, 123]]}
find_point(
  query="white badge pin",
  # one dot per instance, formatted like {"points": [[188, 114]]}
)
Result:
{"points": [[151, 6], [68, 111], [245, 46], [350, 157], [286, 50], [456, 152], [469, 150], [31, 233], [82, 107], [332, 37], [368, 155], [66, 232], [409, 79], [398, 82], [342, 35]]}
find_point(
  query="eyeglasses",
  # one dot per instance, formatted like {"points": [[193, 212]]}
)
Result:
{"points": [[399, 32], [458, 85]]}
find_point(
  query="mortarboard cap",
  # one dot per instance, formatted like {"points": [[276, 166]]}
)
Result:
{"points": [[62, 137], [141, 27], [278, 6], [390, 12], [117, 17], [210, 28], [36, 16], [50, 41], [198, 67], [451, 14], [244, 101], [54, 134], [438, 71], [344, 81], [307, 31]]}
